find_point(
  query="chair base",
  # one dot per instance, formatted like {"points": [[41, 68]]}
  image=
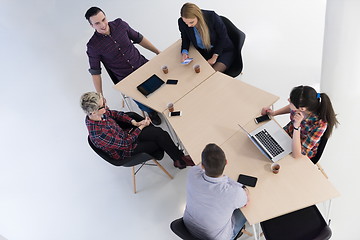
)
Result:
{"points": [[134, 171]]}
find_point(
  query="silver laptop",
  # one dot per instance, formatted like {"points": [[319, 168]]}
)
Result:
{"points": [[272, 140]]}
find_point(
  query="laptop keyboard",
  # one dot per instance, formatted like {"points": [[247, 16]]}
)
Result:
{"points": [[269, 143]]}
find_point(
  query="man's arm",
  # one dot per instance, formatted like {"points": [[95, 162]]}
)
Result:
{"points": [[97, 83], [247, 195], [149, 46]]}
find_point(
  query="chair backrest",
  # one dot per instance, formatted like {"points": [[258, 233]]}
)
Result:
{"points": [[306, 223], [238, 38], [103, 154], [320, 149], [179, 228], [127, 162]]}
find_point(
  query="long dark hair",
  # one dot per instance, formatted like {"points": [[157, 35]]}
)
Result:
{"points": [[317, 103]]}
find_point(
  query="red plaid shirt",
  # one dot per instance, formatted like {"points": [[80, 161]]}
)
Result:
{"points": [[312, 129], [110, 137]]}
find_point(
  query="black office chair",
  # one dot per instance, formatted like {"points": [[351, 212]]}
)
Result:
{"points": [[238, 38], [179, 228], [304, 224], [320, 149], [137, 159]]}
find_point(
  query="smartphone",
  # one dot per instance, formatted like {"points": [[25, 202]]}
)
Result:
{"points": [[247, 180], [172, 81], [262, 118], [187, 61], [173, 114]]}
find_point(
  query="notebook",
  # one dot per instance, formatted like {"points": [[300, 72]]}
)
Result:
{"points": [[150, 85], [272, 140]]}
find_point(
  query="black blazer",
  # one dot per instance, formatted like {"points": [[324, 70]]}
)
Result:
{"points": [[218, 34]]}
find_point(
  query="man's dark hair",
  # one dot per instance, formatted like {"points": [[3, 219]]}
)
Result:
{"points": [[92, 12], [213, 159]]}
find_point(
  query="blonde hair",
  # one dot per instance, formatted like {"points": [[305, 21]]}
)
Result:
{"points": [[190, 10], [89, 102]]}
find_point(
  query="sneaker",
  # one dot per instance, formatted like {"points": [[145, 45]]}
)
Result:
{"points": [[188, 161], [155, 119], [179, 164]]}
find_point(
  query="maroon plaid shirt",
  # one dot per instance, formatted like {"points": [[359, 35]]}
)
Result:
{"points": [[110, 137], [312, 129], [116, 51]]}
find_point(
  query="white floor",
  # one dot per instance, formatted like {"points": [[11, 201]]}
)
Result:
{"points": [[53, 186]]}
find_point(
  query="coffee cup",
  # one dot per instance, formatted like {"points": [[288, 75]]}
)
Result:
{"points": [[275, 168], [197, 68], [170, 107], [165, 69]]}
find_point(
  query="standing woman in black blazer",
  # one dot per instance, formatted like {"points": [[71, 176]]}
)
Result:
{"points": [[206, 31]]}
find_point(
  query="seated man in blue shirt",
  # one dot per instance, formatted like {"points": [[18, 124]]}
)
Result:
{"points": [[213, 200]]}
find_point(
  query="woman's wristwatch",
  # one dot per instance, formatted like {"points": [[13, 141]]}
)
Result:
{"points": [[297, 128]]}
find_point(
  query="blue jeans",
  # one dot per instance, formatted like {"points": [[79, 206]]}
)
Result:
{"points": [[143, 107], [240, 221]]}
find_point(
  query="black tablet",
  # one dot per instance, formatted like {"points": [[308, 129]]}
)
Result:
{"points": [[150, 85]]}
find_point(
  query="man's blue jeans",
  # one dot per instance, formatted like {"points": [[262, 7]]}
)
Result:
{"points": [[240, 221], [143, 107]]}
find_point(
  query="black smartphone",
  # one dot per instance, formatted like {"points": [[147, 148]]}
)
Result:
{"points": [[262, 118], [173, 114], [247, 180], [172, 81]]}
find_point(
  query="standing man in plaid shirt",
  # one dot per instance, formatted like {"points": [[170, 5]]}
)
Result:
{"points": [[112, 44]]}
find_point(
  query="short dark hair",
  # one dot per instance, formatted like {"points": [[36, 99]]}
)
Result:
{"points": [[213, 159], [92, 12]]}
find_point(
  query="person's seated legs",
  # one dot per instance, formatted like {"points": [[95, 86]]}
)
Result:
{"points": [[153, 115], [154, 138], [239, 220]]}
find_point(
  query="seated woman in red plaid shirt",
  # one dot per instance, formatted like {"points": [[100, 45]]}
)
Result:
{"points": [[122, 134], [311, 117]]}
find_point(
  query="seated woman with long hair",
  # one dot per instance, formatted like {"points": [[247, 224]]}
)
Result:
{"points": [[206, 31], [311, 118]]}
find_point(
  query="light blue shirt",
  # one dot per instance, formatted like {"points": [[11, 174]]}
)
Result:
{"points": [[198, 41], [210, 203]]}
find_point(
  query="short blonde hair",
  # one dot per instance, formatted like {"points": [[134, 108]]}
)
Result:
{"points": [[190, 10], [89, 102]]}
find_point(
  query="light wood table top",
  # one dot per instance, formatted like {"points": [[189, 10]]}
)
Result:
{"points": [[298, 184], [212, 111], [186, 75]]}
